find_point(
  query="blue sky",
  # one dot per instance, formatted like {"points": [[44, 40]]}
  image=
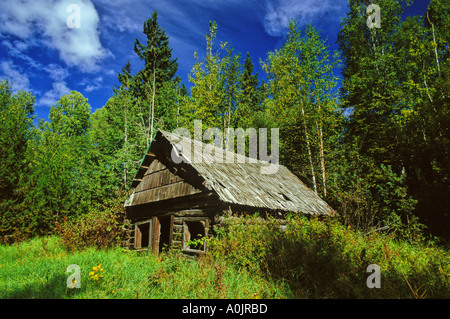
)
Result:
{"points": [[39, 53]]}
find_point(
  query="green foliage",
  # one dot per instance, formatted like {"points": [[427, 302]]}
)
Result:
{"points": [[392, 194], [323, 259], [392, 89], [207, 92], [304, 103], [250, 97], [37, 269], [100, 229], [154, 88], [59, 180], [243, 234], [225, 94], [248, 258], [382, 164], [16, 116], [70, 116], [156, 54]]}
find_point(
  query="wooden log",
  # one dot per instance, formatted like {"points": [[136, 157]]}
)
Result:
{"points": [[206, 201], [171, 230], [190, 219], [192, 213]]}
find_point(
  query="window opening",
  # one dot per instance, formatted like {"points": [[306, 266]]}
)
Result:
{"points": [[194, 230], [143, 239]]}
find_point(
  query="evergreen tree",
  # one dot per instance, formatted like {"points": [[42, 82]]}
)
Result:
{"points": [[159, 70], [250, 96], [16, 116], [156, 54]]}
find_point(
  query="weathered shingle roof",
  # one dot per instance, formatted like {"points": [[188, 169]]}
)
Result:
{"points": [[241, 181]]}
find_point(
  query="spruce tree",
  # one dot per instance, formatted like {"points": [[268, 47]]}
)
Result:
{"points": [[159, 69], [156, 54], [250, 96]]}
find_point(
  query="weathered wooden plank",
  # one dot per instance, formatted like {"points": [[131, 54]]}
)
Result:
{"points": [[171, 230], [162, 193], [138, 237], [156, 234], [192, 212], [206, 201], [190, 219]]}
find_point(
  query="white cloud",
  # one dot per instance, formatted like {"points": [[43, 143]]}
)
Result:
{"points": [[92, 84], [279, 12], [52, 96], [47, 21], [56, 72], [14, 75], [59, 87]]}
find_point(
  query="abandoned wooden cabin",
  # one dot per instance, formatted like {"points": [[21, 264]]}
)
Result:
{"points": [[175, 201]]}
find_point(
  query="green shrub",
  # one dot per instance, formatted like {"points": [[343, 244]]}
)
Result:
{"points": [[99, 229], [323, 259]]}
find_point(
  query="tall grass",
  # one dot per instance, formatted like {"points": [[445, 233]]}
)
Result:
{"points": [[37, 269], [323, 259], [248, 258]]}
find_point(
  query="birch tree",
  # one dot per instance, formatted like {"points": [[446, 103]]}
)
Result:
{"points": [[302, 85]]}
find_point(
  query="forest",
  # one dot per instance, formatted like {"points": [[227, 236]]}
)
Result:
{"points": [[366, 127]]}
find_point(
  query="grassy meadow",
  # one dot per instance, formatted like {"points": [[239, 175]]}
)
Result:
{"points": [[37, 269], [248, 258]]}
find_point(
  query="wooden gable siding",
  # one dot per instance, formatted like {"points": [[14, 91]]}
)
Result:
{"points": [[160, 183]]}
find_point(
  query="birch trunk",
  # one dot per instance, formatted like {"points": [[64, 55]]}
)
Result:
{"points": [[308, 145], [125, 132], [435, 46], [322, 162], [153, 100]]}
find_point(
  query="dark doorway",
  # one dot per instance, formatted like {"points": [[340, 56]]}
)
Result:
{"points": [[142, 235], [164, 239], [195, 230]]}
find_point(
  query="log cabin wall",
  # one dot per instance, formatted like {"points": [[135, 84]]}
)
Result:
{"points": [[174, 231], [167, 211], [176, 201]]}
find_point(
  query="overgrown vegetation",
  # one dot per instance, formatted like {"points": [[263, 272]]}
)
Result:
{"points": [[376, 148], [324, 259], [248, 258], [37, 269], [373, 142]]}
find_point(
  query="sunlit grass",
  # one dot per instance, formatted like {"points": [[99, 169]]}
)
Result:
{"points": [[247, 259], [37, 269]]}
